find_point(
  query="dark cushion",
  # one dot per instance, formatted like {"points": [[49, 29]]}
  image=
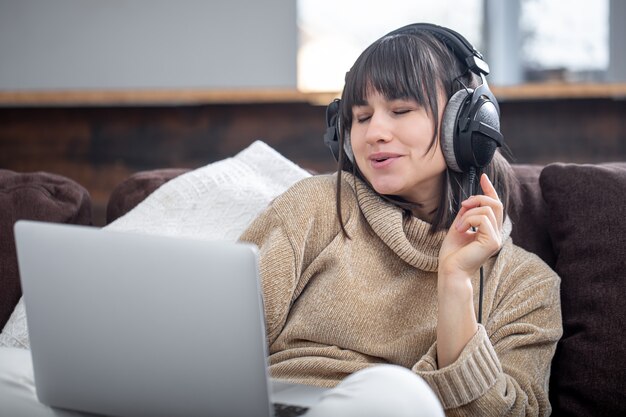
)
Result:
{"points": [[33, 196], [528, 213], [588, 230], [136, 188]]}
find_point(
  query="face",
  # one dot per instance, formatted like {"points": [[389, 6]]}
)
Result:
{"points": [[390, 141]]}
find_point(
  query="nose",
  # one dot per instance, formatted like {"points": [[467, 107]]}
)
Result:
{"points": [[378, 129]]}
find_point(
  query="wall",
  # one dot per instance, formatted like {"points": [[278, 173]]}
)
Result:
{"points": [[135, 44]]}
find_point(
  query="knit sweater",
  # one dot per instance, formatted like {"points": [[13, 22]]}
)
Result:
{"points": [[335, 305]]}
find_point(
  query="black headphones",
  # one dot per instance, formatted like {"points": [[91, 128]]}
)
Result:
{"points": [[470, 128]]}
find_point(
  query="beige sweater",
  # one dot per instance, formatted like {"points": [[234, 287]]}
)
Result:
{"points": [[334, 305]]}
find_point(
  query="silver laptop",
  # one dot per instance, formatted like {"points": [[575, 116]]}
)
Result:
{"points": [[126, 324]]}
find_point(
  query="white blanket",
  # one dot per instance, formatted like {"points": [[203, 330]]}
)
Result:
{"points": [[217, 201]]}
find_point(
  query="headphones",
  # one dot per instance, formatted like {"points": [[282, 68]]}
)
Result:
{"points": [[470, 128]]}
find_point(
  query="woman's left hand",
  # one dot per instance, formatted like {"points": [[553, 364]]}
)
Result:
{"points": [[475, 234]]}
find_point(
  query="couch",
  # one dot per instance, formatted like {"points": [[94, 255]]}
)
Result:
{"points": [[571, 215]]}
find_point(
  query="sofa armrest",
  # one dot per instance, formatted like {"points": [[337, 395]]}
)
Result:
{"points": [[136, 188], [33, 196]]}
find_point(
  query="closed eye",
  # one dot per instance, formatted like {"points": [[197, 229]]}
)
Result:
{"points": [[402, 106]]}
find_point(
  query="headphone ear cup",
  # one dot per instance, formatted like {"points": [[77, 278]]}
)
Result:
{"points": [[449, 126], [331, 136], [483, 145]]}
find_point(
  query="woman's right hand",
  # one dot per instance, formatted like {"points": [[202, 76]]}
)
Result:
{"points": [[475, 235]]}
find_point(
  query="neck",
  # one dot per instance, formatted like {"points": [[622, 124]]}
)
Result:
{"points": [[427, 210], [429, 202]]}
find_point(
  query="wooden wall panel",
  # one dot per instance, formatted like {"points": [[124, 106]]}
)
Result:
{"points": [[583, 131], [101, 146]]}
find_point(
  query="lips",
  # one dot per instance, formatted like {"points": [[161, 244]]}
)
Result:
{"points": [[383, 159]]}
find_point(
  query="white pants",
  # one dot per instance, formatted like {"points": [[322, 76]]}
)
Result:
{"points": [[379, 391], [384, 390]]}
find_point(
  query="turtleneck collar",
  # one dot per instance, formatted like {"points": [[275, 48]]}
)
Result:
{"points": [[408, 237]]}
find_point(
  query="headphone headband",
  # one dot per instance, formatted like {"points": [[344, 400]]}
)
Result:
{"points": [[461, 47]]}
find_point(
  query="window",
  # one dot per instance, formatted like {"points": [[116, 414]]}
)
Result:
{"points": [[334, 32], [523, 40], [565, 40]]}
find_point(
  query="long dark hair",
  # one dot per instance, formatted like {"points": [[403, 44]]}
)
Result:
{"points": [[416, 66]]}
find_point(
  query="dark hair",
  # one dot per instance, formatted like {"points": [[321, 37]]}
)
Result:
{"points": [[416, 66]]}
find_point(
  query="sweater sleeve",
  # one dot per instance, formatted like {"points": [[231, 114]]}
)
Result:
{"points": [[278, 266], [504, 369], [290, 235]]}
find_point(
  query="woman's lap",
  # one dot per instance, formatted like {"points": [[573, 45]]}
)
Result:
{"points": [[380, 390]]}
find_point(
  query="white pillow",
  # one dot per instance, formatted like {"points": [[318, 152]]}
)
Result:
{"points": [[215, 202], [15, 331]]}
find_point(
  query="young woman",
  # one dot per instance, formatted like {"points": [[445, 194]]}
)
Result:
{"points": [[372, 276]]}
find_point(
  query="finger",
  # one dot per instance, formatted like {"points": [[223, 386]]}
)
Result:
{"points": [[459, 215], [484, 232], [485, 201], [483, 211], [488, 188]]}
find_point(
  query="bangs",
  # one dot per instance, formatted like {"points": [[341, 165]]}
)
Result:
{"points": [[397, 67]]}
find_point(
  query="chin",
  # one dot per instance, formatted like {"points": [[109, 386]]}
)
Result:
{"points": [[385, 188]]}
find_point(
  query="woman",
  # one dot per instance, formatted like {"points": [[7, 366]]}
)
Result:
{"points": [[381, 263]]}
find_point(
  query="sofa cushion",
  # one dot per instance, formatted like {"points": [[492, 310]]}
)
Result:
{"points": [[136, 188], [33, 196], [586, 207], [529, 215]]}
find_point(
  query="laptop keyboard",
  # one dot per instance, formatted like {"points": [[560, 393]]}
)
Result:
{"points": [[286, 410]]}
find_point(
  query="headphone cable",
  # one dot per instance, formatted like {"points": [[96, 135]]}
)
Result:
{"points": [[472, 180]]}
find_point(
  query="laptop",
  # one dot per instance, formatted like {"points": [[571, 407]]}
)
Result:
{"points": [[125, 324]]}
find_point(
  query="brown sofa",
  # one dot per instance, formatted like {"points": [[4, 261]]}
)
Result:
{"points": [[33, 196], [572, 216]]}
